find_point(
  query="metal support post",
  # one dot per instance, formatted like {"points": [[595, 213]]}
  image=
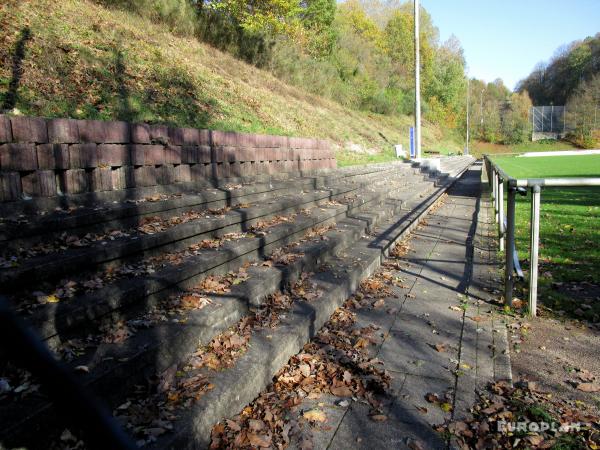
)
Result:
{"points": [[501, 212], [510, 242], [535, 242], [496, 201]]}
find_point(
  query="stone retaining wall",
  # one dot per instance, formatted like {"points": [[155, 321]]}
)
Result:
{"points": [[49, 157]]}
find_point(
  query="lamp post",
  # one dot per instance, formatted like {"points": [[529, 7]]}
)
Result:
{"points": [[468, 106], [417, 85]]}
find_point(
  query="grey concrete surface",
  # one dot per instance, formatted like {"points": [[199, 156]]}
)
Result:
{"points": [[450, 270]]}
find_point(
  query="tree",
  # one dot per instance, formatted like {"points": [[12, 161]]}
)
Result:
{"points": [[583, 115], [264, 16], [556, 81], [318, 18]]}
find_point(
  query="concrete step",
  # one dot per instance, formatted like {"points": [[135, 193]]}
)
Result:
{"points": [[114, 252], [271, 349], [365, 228], [24, 230], [205, 323]]}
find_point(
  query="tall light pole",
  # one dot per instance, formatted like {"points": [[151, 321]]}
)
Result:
{"points": [[417, 85], [468, 106]]}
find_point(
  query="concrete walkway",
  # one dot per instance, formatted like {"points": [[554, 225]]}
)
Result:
{"points": [[444, 338]]}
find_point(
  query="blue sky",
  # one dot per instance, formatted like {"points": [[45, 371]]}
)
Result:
{"points": [[506, 38]]}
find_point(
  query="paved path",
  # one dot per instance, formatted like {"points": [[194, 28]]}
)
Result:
{"points": [[449, 277]]}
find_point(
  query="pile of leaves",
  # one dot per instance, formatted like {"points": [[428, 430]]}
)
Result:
{"points": [[148, 226], [336, 362], [513, 417]]}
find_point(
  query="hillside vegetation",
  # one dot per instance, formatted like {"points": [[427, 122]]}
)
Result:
{"points": [[77, 58], [571, 78]]}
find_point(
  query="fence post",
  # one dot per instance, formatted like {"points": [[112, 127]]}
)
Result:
{"points": [[496, 201], [501, 212], [535, 242], [510, 244]]}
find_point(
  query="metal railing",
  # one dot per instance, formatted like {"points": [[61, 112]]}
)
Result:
{"points": [[506, 224]]}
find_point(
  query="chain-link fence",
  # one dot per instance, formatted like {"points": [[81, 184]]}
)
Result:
{"points": [[548, 119]]}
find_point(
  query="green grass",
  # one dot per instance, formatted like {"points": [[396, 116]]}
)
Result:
{"points": [[569, 225], [550, 166]]}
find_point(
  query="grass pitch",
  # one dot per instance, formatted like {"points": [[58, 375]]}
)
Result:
{"points": [[569, 230]]}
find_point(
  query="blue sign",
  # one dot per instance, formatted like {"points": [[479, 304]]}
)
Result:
{"points": [[412, 142]]}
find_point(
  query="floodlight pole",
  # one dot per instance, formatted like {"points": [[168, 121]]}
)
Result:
{"points": [[468, 92], [417, 85]]}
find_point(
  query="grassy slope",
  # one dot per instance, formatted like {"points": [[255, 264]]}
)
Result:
{"points": [[85, 61], [569, 225]]}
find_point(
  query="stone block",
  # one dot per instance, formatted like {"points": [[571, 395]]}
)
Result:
{"points": [[224, 138], [235, 169], [73, 181], [63, 131], [173, 154], [117, 178], [52, 156], [101, 179], [10, 186], [159, 134], [46, 180], [5, 129], [165, 174], [150, 155], [114, 155], [18, 157], [83, 156], [117, 133], [93, 131], [224, 154], [189, 136], [29, 129], [246, 140], [183, 173], [154, 155], [140, 133], [196, 154], [146, 176], [201, 172]]}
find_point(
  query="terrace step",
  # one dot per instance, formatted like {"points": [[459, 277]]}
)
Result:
{"points": [[56, 264], [270, 349], [115, 368], [56, 319]]}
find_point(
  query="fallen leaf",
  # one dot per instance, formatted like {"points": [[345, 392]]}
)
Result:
{"points": [[440, 347], [315, 415], [379, 418], [588, 387], [432, 397], [52, 299], [259, 440], [446, 407], [341, 391]]}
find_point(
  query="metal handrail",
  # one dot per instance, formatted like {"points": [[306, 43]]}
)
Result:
{"points": [[506, 224], [74, 401]]}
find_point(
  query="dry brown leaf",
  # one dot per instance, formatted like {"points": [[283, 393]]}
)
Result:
{"points": [[315, 415], [432, 397], [259, 440], [341, 391], [588, 387], [379, 418]]}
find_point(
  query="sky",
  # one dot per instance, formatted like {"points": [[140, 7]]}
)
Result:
{"points": [[507, 38]]}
